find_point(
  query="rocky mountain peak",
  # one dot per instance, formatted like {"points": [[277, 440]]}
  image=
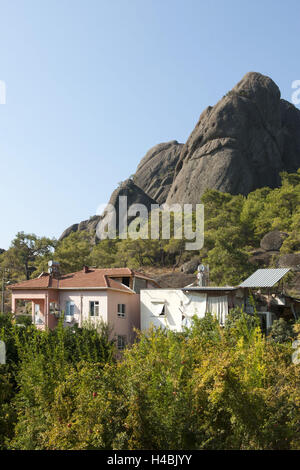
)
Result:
{"points": [[240, 144]]}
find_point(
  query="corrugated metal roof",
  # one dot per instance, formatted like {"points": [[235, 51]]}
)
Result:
{"points": [[208, 288], [265, 277]]}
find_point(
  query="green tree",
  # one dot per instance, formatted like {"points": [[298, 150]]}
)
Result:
{"points": [[103, 254], [25, 252], [73, 252], [229, 265]]}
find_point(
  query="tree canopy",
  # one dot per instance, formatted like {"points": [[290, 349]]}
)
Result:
{"points": [[234, 226]]}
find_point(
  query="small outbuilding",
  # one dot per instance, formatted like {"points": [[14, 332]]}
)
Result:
{"points": [[263, 294], [175, 308]]}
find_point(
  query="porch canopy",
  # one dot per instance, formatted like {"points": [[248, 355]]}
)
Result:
{"points": [[40, 292]]}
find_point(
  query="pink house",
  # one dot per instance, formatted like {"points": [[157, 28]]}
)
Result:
{"points": [[87, 296]]}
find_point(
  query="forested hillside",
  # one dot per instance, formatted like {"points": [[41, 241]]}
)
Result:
{"points": [[234, 229]]}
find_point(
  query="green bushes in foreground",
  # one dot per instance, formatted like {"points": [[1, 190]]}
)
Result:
{"points": [[207, 388], [37, 363]]}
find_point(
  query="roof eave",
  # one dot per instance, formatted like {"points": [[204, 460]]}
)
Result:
{"points": [[193, 289], [129, 291]]}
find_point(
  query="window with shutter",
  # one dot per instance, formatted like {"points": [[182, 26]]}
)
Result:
{"points": [[121, 310], [70, 308], [94, 308], [121, 342]]}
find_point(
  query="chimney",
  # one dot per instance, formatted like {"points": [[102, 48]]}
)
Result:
{"points": [[85, 269], [203, 275]]}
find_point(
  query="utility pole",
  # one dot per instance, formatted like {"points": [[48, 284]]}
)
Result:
{"points": [[4, 271]]}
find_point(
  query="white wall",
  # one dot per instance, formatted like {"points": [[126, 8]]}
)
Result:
{"points": [[175, 306]]}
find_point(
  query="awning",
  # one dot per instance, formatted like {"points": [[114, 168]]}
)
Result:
{"points": [[265, 277]]}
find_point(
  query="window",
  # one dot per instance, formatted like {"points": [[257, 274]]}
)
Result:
{"points": [[125, 281], [38, 318], [159, 309], [94, 308], [163, 311], [121, 342], [121, 310], [70, 308]]}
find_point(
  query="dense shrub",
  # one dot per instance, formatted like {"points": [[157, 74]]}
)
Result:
{"points": [[206, 388], [37, 363], [25, 320], [282, 331]]}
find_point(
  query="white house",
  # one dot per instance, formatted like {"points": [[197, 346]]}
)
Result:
{"points": [[174, 308]]}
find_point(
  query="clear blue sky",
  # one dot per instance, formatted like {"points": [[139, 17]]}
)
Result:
{"points": [[92, 85]]}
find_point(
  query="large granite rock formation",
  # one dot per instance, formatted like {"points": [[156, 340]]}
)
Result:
{"points": [[240, 144]]}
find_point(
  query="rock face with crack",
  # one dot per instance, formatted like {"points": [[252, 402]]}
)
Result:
{"points": [[134, 195], [88, 226], [240, 144], [155, 172]]}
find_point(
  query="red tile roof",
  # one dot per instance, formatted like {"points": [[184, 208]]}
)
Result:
{"points": [[37, 283], [93, 278]]}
